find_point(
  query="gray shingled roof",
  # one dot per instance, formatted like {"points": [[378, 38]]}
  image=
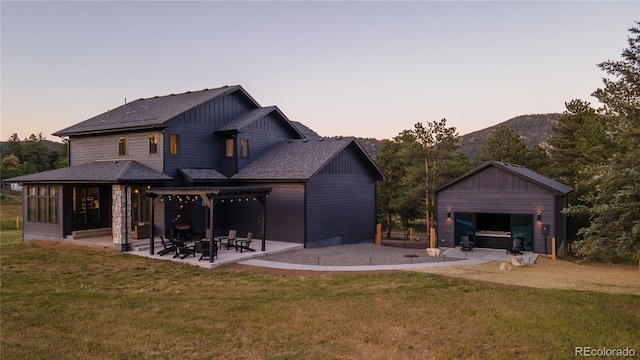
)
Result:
{"points": [[520, 171], [535, 177], [147, 112], [198, 175], [253, 115], [294, 159], [305, 130], [247, 118], [105, 171]]}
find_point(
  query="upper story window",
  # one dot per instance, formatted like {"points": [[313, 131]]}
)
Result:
{"points": [[244, 145], [174, 144], [230, 148], [122, 145], [153, 143]]}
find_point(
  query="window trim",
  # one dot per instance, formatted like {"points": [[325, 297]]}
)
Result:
{"points": [[153, 143], [122, 146], [244, 148], [42, 204], [230, 147], [174, 144]]}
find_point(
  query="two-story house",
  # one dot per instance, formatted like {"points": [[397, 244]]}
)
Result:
{"points": [[212, 158]]}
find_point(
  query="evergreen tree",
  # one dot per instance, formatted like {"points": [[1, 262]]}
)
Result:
{"points": [[439, 143], [612, 202], [503, 144]]}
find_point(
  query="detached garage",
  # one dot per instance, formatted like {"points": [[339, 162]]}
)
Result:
{"points": [[497, 202]]}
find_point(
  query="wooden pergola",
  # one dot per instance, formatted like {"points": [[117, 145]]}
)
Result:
{"points": [[210, 197]]}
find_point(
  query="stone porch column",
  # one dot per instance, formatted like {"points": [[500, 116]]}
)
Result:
{"points": [[121, 216]]}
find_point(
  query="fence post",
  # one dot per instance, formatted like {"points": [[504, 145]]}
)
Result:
{"points": [[432, 238], [17, 222], [378, 234], [553, 248]]}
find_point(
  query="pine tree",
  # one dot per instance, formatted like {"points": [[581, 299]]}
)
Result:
{"points": [[612, 202]]}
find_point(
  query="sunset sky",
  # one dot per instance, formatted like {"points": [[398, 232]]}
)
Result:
{"points": [[368, 69]]}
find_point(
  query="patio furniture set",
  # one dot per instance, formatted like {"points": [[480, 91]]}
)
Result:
{"points": [[180, 244]]}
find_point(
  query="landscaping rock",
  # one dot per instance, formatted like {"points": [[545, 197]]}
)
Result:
{"points": [[517, 261], [505, 266]]}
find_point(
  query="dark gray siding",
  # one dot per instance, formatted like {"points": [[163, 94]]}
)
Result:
{"points": [[341, 203], [285, 214], [199, 146], [262, 134], [499, 192]]}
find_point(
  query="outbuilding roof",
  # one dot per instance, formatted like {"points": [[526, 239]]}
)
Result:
{"points": [[520, 171], [149, 112], [102, 171]]}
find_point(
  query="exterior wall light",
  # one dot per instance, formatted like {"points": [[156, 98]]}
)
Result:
{"points": [[539, 216], [449, 214]]}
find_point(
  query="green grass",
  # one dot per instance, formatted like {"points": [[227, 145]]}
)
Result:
{"points": [[64, 302], [10, 208]]}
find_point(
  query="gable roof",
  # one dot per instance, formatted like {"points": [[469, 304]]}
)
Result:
{"points": [[149, 112], [300, 159], [201, 175], [247, 118], [520, 171], [102, 171]]}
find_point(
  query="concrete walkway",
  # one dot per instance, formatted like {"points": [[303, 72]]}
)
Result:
{"points": [[449, 257], [490, 255], [288, 266], [458, 257]]}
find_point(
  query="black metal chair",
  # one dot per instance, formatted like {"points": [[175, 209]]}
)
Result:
{"points": [[243, 243], [229, 241], [516, 246], [168, 246], [466, 244], [182, 249], [206, 250]]}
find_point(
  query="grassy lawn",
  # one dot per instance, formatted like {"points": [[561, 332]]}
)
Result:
{"points": [[63, 302]]}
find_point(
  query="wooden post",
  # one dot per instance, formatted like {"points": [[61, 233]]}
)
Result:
{"points": [[553, 248], [378, 234], [432, 238], [17, 222], [410, 234]]}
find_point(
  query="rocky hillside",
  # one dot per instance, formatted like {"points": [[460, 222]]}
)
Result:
{"points": [[534, 129]]}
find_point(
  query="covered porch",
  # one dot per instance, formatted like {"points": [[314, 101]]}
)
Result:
{"points": [[210, 197]]}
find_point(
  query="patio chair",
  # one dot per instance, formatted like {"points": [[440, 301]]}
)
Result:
{"points": [[206, 250], [516, 246], [169, 247], [182, 249], [228, 241], [243, 243], [466, 244]]}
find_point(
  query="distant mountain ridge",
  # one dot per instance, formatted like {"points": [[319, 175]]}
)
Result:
{"points": [[535, 129]]}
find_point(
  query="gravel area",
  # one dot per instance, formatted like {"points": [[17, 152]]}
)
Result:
{"points": [[354, 255]]}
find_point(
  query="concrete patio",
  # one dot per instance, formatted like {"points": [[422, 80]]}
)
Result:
{"points": [[141, 248]]}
